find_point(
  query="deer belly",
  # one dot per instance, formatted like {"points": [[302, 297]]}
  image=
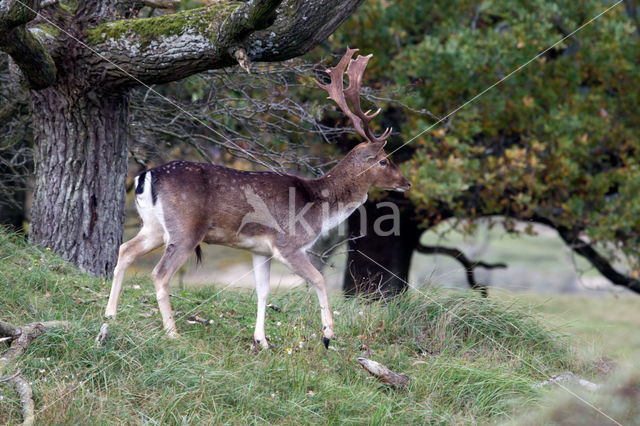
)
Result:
{"points": [[259, 244]]}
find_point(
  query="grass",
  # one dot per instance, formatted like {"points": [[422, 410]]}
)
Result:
{"points": [[470, 360], [595, 322]]}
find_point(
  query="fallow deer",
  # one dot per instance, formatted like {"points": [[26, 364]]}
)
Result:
{"points": [[272, 215]]}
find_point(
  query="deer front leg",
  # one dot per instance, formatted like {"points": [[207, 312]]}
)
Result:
{"points": [[261, 269], [300, 264]]}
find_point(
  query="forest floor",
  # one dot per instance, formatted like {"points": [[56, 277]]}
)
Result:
{"points": [[470, 360]]}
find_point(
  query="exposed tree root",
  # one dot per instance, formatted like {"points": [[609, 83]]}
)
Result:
{"points": [[21, 337]]}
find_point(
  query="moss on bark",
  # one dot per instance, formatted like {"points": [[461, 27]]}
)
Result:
{"points": [[202, 20]]}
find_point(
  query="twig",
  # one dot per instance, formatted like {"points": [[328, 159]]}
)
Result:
{"points": [[196, 319], [8, 378]]}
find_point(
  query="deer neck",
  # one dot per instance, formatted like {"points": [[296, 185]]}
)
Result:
{"points": [[342, 186]]}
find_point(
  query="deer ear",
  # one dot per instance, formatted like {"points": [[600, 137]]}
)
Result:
{"points": [[372, 150]]}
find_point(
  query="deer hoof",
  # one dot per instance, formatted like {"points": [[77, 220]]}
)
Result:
{"points": [[260, 344], [173, 334], [326, 342]]}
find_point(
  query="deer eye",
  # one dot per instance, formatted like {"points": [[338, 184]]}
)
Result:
{"points": [[383, 162]]}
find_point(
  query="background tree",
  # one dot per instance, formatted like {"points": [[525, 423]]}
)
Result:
{"points": [[81, 60], [16, 155], [556, 143]]}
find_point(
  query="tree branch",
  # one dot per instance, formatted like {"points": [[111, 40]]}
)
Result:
{"points": [[298, 27], [572, 238], [162, 4], [468, 265], [169, 47], [28, 53]]}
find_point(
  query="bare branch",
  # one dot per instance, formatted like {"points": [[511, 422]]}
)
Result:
{"points": [[469, 265], [572, 238]]}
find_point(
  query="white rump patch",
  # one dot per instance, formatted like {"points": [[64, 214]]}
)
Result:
{"points": [[152, 215]]}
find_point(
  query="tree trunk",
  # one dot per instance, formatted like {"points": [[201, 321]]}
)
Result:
{"points": [[80, 140], [378, 265], [79, 65]]}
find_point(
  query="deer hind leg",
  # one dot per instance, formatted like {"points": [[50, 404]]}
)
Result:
{"points": [[300, 264], [175, 254], [147, 239], [261, 269]]}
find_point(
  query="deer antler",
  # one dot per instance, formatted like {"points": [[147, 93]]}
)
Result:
{"points": [[351, 95]]}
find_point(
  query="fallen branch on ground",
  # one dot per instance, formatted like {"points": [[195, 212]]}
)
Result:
{"points": [[196, 319], [383, 373], [20, 338]]}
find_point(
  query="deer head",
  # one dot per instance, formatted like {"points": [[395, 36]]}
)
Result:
{"points": [[367, 159]]}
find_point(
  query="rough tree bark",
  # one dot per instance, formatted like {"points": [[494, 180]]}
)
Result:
{"points": [[79, 198], [80, 60]]}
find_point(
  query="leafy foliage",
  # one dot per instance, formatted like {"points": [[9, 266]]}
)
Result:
{"points": [[556, 140]]}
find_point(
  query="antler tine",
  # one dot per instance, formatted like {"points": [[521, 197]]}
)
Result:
{"points": [[352, 93], [337, 93]]}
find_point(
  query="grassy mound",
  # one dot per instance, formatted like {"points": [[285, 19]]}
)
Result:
{"points": [[470, 360]]}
